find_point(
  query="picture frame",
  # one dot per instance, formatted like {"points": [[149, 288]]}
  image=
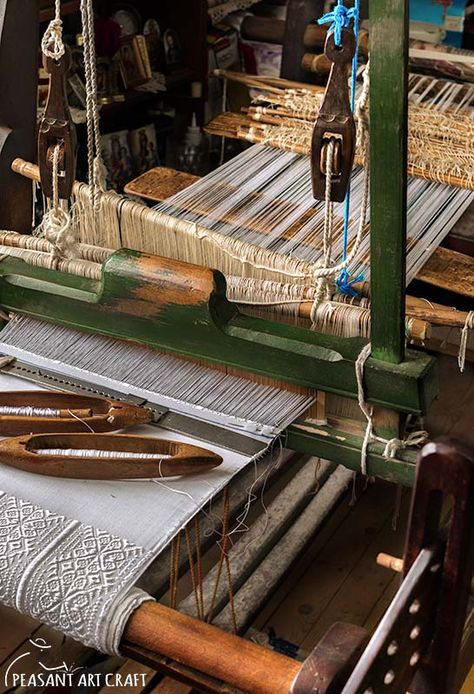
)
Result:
{"points": [[117, 159], [172, 49], [132, 70], [153, 38], [144, 148]]}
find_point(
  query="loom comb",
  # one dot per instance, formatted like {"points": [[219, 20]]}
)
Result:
{"points": [[183, 309], [335, 122], [105, 456], [27, 411]]}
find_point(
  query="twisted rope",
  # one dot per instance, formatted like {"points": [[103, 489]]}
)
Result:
{"points": [[392, 446], [52, 42]]}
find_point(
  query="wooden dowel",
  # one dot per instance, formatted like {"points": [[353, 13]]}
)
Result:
{"points": [[263, 82], [266, 29], [319, 64], [81, 414], [396, 564], [211, 651]]}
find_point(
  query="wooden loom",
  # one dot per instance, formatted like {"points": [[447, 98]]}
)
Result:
{"points": [[131, 287]]}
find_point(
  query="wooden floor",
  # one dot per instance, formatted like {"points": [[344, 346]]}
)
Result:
{"points": [[336, 579]]}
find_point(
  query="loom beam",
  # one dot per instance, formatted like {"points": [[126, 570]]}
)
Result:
{"points": [[182, 308]]}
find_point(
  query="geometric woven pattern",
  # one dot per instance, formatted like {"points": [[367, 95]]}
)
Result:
{"points": [[64, 573]]}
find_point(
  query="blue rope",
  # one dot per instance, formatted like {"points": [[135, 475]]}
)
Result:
{"points": [[340, 18]]}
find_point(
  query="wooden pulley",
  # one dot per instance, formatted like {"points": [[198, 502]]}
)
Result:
{"points": [[28, 411], [105, 456], [56, 128], [335, 122]]}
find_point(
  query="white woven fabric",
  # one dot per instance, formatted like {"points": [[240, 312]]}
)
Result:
{"points": [[71, 551]]}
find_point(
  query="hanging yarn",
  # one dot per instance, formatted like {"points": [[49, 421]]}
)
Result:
{"points": [[392, 446], [468, 325], [96, 168], [52, 43], [56, 225]]}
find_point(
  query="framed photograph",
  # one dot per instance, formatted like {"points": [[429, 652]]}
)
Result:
{"points": [[153, 38], [144, 148], [131, 64], [172, 48], [104, 80], [117, 158]]}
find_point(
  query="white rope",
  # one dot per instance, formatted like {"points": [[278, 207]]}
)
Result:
{"points": [[56, 225], [361, 111], [415, 439], [468, 325], [95, 165], [52, 43], [392, 446]]}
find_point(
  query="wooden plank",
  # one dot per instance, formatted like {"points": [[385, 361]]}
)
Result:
{"points": [[303, 564], [388, 164], [16, 628], [61, 649], [160, 183], [170, 686], [361, 589], [451, 412], [130, 667], [301, 609], [449, 270]]}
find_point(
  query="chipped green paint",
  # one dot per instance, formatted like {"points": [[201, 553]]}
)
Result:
{"points": [[388, 161], [345, 449], [213, 330]]}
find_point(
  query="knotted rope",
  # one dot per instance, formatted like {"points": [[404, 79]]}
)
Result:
{"points": [[52, 43], [392, 446], [340, 19]]}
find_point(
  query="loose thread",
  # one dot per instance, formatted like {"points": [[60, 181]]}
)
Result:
{"points": [[223, 550]]}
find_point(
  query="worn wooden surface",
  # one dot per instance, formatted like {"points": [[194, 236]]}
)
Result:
{"points": [[96, 413], [160, 183], [388, 163], [27, 453], [449, 270]]}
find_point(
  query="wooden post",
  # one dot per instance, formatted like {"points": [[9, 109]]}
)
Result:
{"points": [[388, 161], [18, 89], [299, 14]]}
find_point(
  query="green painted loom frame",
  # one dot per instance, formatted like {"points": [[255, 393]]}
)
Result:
{"points": [[133, 301]]}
